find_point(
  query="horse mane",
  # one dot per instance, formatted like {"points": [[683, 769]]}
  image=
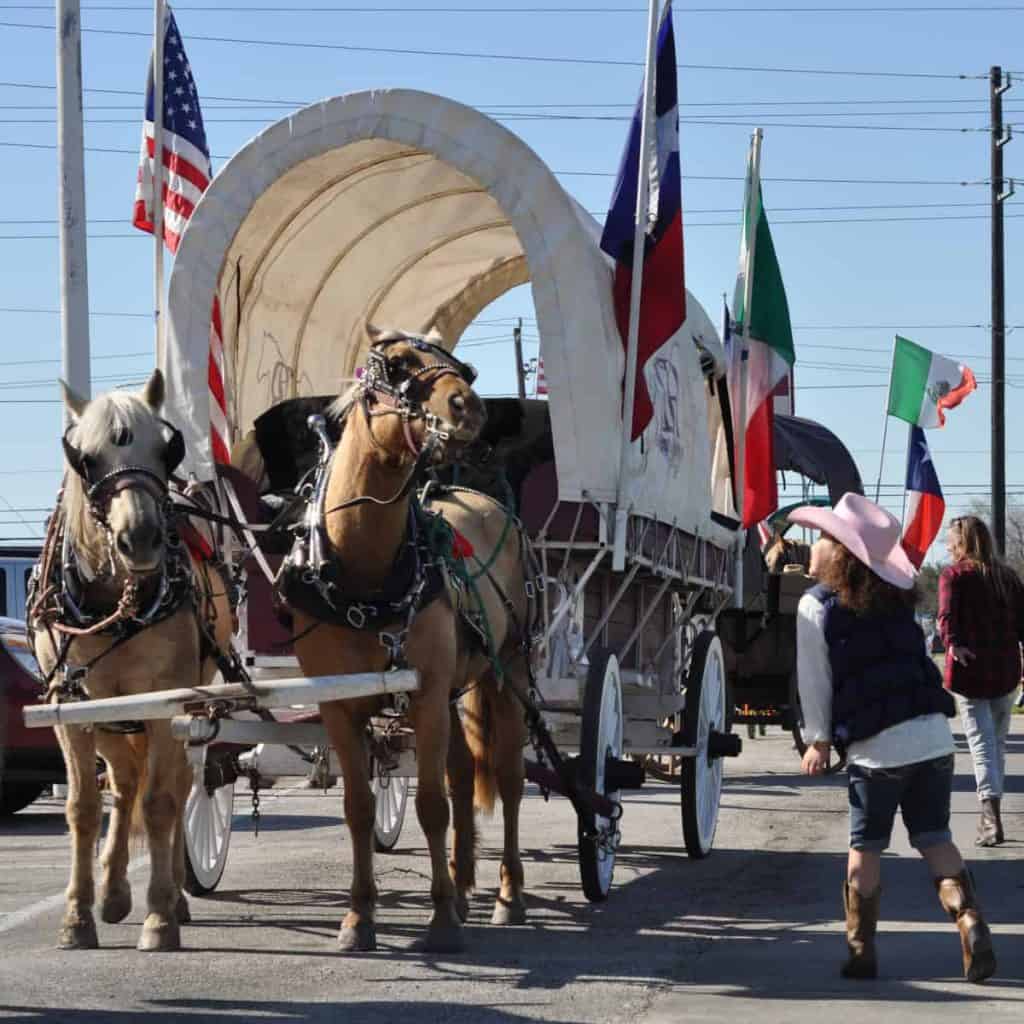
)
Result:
{"points": [[340, 408], [118, 410]]}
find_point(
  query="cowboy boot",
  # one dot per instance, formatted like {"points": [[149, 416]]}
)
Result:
{"points": [[861, 923], [997, 813], [988, 827], [959, 899]]}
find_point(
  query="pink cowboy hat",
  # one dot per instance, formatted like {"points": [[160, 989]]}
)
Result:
{"points": [[867, 531]]}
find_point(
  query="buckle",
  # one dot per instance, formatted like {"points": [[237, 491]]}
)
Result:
{"points": [[355, 616]]}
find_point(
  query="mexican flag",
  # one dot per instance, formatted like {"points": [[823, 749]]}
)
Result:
{"points": [[765, 340], [923, 385]]}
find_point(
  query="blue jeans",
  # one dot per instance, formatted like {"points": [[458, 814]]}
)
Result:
{"points": [[920, 791], [986, 725]]}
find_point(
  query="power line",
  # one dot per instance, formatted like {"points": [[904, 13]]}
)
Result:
{"points": [[520, 58], [307, 102], [691, 224], [360, 9], [586, 119]]}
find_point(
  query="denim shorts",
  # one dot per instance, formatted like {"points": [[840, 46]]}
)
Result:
{"points": [[921, 791]]}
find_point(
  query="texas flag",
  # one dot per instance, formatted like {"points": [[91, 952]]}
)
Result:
{"points": [[663, 295], [925, 504]]}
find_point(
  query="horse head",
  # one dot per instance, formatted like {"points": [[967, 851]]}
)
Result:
{"points": [[419, 395], [121, 454]]}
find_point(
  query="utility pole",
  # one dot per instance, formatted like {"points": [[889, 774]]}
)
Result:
{"points": [[74, 279], [517, 338], [1000, 137]]}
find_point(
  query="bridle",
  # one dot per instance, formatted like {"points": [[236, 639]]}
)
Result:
{"points": [[99, 491], [384, 381]]}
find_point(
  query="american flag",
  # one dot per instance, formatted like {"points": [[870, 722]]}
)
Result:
{"points": [[186, 173], [542, 382]]}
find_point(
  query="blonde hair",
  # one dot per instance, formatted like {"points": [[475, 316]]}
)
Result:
{"points": [[972, 543]]}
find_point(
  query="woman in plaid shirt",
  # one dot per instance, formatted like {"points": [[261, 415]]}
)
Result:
{"points": [[981, 619]]}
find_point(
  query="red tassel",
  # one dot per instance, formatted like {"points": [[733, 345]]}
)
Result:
{"points": [[461, 547]]}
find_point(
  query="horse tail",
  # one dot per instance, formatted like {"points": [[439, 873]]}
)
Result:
{"points": [[478, 725], [139, 746]]}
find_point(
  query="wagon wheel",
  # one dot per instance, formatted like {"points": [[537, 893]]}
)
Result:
{"points": [[391, 793], [208, 817], [600, 738], [704, 717], [836, 763]]}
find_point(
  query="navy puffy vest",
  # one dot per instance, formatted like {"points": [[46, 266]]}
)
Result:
{"points": [[881, 673]]}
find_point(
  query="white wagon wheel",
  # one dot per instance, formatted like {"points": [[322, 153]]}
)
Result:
{"points": [[208, 818], [703, 717], [600, 738], [391, 793]]}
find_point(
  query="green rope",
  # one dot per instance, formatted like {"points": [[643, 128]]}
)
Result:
{"points": [[440, 536]]}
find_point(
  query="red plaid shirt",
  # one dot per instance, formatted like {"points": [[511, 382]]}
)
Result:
{"points": [[971, 616]]}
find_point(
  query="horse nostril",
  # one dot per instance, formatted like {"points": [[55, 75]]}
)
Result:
{"points": [[124, 543], [457, 404]]}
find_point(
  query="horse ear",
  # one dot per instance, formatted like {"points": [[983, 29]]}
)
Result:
{"points": [[73, 402], [153, 392], [373, 331], [435, 337]]}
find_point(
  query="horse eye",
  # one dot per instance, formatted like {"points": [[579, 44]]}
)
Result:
{"points": [[121, 437]]}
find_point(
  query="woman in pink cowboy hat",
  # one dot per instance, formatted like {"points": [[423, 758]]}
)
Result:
{"points": [[868, 686]]}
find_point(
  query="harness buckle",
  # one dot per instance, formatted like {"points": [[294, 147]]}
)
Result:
{"points": [[355, 616], [394, 644]]}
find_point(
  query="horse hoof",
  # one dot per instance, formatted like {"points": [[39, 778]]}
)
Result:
{"points": [[116, 905], [444, 938], [508, 912], [182, 911], [79, 935], [462, 908], [361, 938], [161, 937]]}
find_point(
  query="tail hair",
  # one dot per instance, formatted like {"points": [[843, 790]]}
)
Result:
{"points": [[478, 725]]}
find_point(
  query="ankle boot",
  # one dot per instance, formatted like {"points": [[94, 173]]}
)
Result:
{"points": [[988, 824], [861, 924], [959, 899], [997, 814]]}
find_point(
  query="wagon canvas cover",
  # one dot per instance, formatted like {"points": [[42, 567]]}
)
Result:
{"points": [[409, 210]]}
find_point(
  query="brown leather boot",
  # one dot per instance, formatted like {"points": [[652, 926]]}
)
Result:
{"points": [[988, 824], [861, 924], [959, 899]]}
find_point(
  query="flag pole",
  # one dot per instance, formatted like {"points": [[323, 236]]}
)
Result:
{"points": [[74, 283], [158, 177], [885, 423], [750, 237], [639, 237], [910, 439]]}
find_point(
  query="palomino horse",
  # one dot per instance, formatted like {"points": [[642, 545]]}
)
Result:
{"points": [[120, 608], [414, 403]]}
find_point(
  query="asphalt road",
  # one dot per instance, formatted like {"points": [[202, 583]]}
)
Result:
{"points": [[753, 931]]}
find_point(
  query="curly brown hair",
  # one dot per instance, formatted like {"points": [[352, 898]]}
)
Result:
{"points": [[860, 590]]}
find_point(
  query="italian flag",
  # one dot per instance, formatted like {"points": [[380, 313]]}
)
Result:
{"points": [[924, 385], [765, 340]]}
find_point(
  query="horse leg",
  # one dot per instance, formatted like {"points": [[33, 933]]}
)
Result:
{"points": [[160, 812], [464, 836], [431, 721], [348, 737], [509, 736], [123, 771], [83, 811], [181, 908]]}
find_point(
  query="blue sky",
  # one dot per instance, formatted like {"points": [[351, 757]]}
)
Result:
{"points": [[851, 285]]}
